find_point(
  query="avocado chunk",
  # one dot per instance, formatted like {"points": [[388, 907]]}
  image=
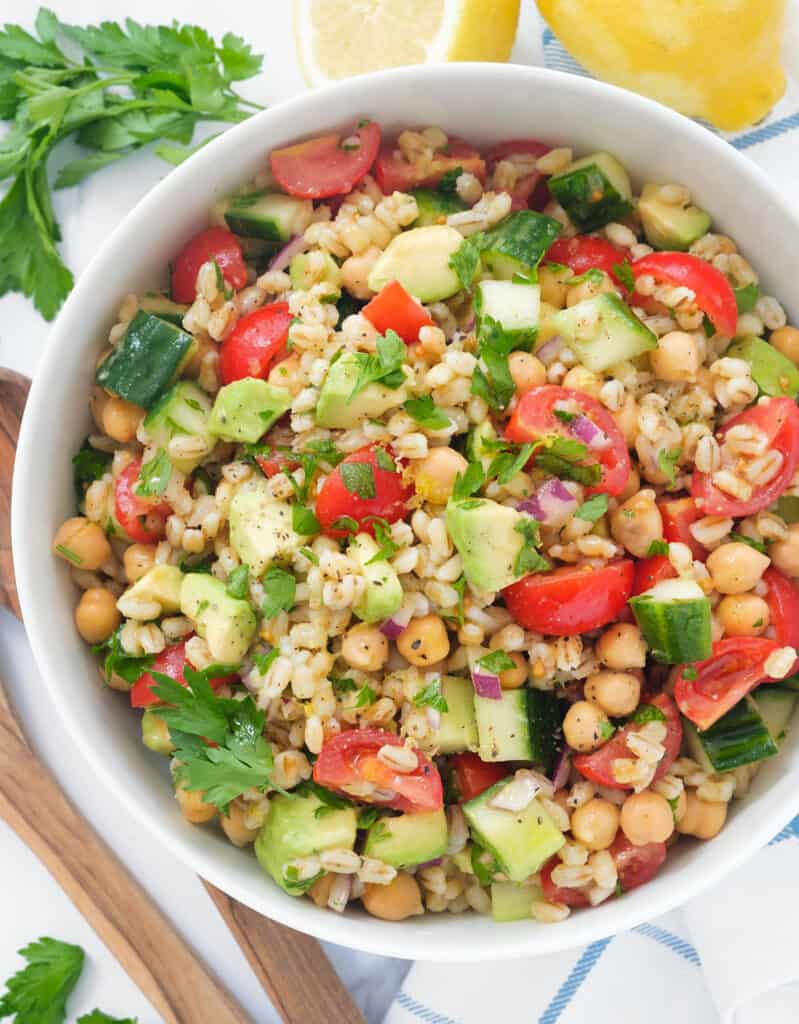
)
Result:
{"points": [[408, 839], [419, 260], [303, 277], [458, 728], [161, 585], [773, 372], [476, 448], [226, 623], [292, 830], [435, 207], [155, 733], [513, 902], [668, 225], [334, 408], [247, 408], [488, 541], [602, 331], [162, 306], [185, 410], [260, 529], [383, 594]]}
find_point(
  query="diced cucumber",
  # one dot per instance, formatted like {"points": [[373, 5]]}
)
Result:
{"points": [[503, 727], [602, 331], [270, 215], [545, 713], [740, 737], [435, 207], [773, 372], [776, 704], [514, 306], [458, 729], [184, 411], [593, 191], [163, 306], [511, 901], [146, 361], [476, 448], [674, 617], [521, 841], [408, 838], [514, 247]]}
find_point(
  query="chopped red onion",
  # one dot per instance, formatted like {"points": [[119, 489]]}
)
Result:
{"points": [[430, 863], [588, 432], [392, 628], [486, 684], [550, 349], [552, 504], [284, 256], [560, 776], [469, 325]]}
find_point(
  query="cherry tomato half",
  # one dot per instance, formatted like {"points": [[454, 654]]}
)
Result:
{"points": [[584, 252], [170, 662], [324, 166], [142, 519], [534, 418], [530, 190], [256, 343], [778, 418], [598, 765], [394, 173], [351, 758], [217, 244], [561, 894], [393, 308], [389, 494], [735, 667], [636, 865], [678, 514], [714, 294], [649, 571], [572, 599], [473, 776], [782, 599]]}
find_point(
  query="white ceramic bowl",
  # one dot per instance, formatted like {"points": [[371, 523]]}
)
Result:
{"points": [[483, 103]]}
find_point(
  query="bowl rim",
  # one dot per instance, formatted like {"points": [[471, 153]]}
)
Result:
{"points": [[366, 934]]}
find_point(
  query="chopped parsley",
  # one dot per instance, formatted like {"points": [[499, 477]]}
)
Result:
{"points": [[280, 589], [366, 696], [345, 523], [221, 284], [529, 560], [431, 697], [562, 457], [492, 380], [303, 520], [647, 713], [384, 367], [359, 478], [667, 464], [509, 461], [238, 582], [88, 465], [496, 662], [468, 482], [624, 273], [367, 816], [38, 993], [426, 413], [606, 730], [342, 684], [387, 548], [657, 547], [741, 538], [449, 180], [384, 461], [593, 509], [154, 476], [69, 554], [329, 800], [264, 660], [117, 663], [312, 557], [564, 416], [689, 673], [746, 297]]}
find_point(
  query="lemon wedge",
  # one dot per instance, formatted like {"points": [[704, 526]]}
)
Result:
{"points": [[339, 38]]}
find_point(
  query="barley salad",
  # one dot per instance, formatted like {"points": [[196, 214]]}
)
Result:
{"points": [[442, 519]]}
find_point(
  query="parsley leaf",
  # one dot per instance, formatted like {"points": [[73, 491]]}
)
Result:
{"points": [[330, 801], [466, 258], [689, 672], [468, 482], [511, 461], [117, 662], [366, 696], [38, 993], [746, 297], [647, 713], [385, 367], [387, 548], [561, 457], [624, 273], [431, 697], [303, 520], [741, 538], [657, 547], [280, 588], [593, 274], [325, 451], [426, 413], [358, 478], [384, 461], [593, 509], [312, 557], [448, 182], [367, 816], [346, 523], [154, 476], [492, 381], [238, 582], [528, 559], [88, 465], [342, 684], [564, 416], [98, 1017], [264, 660], [667, 464], [606, 730], [195, 709], [496, 662]]}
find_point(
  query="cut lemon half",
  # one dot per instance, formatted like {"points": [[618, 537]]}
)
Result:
{"points": [[339, 38]]}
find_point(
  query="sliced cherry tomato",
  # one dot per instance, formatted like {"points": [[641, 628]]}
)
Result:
{"points": [[714, 294], [324, 166], [598, 766], [735, 667], [394, 173], [636, 865], [649, 571], [678, 514], [531, 189], [557, 893], [572, 599], [351, 758], [216, 244], [256, 343], [534, 418], [584, 252], [474, 776], [782, 599], [390, 500], [271, 465], [142, 519], [778, 418], [170, 662], [393, 308]]}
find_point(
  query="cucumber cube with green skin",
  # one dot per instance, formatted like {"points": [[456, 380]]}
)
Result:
{"points": [[293, 831], [669, 225], [435, 207], [270, 215], [184, 411], [246, 409], [226, 623], [261, 530], [515, 246], [773, 372], [334, 408], [419, 260], [521, 841], [408, 839], [675, 619], [514, 306], [457, 730], [503, 727], [485, 535], [602, 331], [161, 305], [476, 448], [513, 902], [776, 705], [593, 191], [155, 734], [738, 738], [383, 594]]}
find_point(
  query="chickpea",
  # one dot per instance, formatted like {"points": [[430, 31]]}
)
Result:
{"points": [[633, 485], [320, 890], [785, 553], [192, 806], [527, 371], [234, 827], [595, 823], [513, 678], [583, 380], [677, 357], [355, 273], [646, 818], [627, 420], [586, 726], [637, 522], [588, 289], [743, 615], [394, 902], [553, 286], [82, 544], [702, 818], [786, 340], [121, 419], [617, 693], [736, 567], [424, 641], [434, 475], [622, 646], [286, 374], [96, 615], [138, 559], [97, 402], [365, 647]]}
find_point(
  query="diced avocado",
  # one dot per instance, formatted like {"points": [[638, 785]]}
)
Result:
{"points": [[514, 306], [419, 260], [292, 831], [226, 623], [521, 841], [503, 727], [155, 733], [476, 447], [270, 215], [514, 247], [408, 839], [247, 408], [773, 372], [593, 191], [458, 729], [513, 902], [435, 207], [163, 307], [303, 277], [161, 585], [261, 530], [334, 409], [669, 225], [184, 411], [488, 541], [383, 595], [787, 508], [602, 331], [776, 706]]}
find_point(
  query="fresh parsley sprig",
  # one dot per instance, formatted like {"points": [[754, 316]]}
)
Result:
{"points": [[38, 993], [384, 367]]}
